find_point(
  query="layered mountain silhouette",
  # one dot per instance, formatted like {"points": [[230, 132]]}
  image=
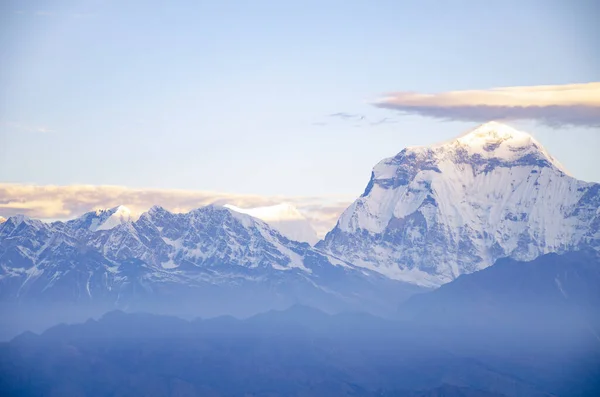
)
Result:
{"points": [[428, 216]]}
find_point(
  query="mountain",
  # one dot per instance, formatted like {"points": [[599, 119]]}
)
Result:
{"points": [[286, 219], [430, 214], [210, 261], [553, 291], [296, 352], [102, 219], [2, 219], [541, 316]]}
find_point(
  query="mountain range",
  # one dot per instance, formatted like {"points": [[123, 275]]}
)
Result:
{"points": [[427, 216], [209, 261], [454, 341], [468, 268]]}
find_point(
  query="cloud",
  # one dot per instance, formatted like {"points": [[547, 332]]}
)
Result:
{"points": [[66, 202], [348, 116], [28, 128], [553, 105], [358, 120], [385, 120]]}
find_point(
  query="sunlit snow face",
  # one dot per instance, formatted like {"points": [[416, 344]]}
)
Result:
{"points": [[274, 212], [285, 218], [493, 181]]}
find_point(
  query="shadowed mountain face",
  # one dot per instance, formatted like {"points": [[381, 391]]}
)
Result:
{"points": [[557, 291], [514, 329], [540, 317], [297, 352]]}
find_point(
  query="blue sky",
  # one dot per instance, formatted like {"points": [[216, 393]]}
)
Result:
{"points": [[234, 96]]}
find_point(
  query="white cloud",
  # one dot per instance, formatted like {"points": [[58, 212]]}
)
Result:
{"points": [[553, 105], [65, 202]]}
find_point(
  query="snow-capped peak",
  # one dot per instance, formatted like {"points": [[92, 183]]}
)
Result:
{"points": [[276, 212], [285, 218], [497, 140], [492, 141], [431, 213], [493, 132], [103, 219], [20, 218], [2, 219], [517, 142], [116, 216]]}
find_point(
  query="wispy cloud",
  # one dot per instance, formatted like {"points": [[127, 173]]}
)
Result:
{"points": [[348, 116], [27, 127], [65, 202], [357, 120], [553, 105], [385, 120]]}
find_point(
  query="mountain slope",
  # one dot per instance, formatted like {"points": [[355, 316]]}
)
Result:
{"points": [[551, 291], [102, 219], [297, 352], [540, 317], [284, 218], [209, 261], [430, 214]]}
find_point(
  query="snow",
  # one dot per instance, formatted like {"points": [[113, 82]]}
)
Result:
{"points": [[246, 220], [117, 216], [87, 284], [19, 218], [507, 193], [457, 183], [431, 214], [400, 273], [169, 264], [285, 218], [281, 211], [295, 260], [560, 287], [177, 244]]}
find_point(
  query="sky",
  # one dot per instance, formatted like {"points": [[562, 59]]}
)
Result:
{"points": [[275, 99]]}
